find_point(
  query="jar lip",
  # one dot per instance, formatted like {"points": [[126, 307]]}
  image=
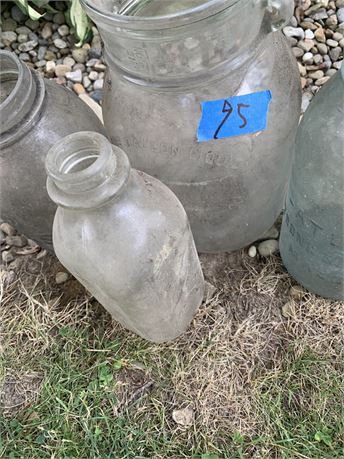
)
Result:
{"points": [[19, 69], [65, 148], [183, 17]]}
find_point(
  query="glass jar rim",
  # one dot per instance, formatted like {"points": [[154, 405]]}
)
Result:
{"points": [[18, 69], [180, 18]]}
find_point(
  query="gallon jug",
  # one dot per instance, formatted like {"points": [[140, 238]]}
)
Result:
{"points": [[125, 236], [203, 96], [34, 114], [312, 234]]}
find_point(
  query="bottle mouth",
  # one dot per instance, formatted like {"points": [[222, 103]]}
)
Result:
{"points": [[82, 160], [11, 78], [18, 90], [126, 14], [85, 170]]}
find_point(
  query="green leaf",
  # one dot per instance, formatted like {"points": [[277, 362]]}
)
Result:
{"points": [[238, 438], [97, 432], [79, 21], [105, 375], [210, 456], [40, 439], [117, 364], [27, 9], [323, 437]]}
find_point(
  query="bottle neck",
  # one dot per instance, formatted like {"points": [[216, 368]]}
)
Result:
{"points": [[165, 49], [21, 97], [85, 171]]}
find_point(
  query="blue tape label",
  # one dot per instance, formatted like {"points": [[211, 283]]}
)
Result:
{"points": [[233, 116]]}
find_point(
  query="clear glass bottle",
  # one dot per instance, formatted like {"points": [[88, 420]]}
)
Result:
{"points": [[125, 236], [34, 114], [312, 234], [167, 57]]}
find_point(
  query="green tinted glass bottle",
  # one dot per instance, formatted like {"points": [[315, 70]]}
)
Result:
{"points": [[312, 235]]}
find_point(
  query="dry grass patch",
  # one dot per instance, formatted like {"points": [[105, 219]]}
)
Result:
{"points": [[246, 367]]}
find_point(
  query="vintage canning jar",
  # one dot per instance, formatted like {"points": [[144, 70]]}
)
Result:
{"points": [[125, 236], [312, 234], [165, 59], [34, 114]]}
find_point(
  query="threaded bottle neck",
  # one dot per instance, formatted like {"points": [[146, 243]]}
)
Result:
{"points": [[21, 95], [85, 170]]}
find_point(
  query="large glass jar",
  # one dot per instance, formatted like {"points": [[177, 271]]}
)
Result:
{"points": [[163, 62], [34, 114], [312, 234], [125, 236]]}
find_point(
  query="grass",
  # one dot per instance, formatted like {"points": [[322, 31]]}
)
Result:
{"points": [[261, 385]]}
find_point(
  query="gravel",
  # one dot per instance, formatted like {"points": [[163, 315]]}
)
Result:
{"points": [[49, 47]]}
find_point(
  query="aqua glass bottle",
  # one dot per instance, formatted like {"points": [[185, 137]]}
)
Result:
{"points": [[312, 235]]}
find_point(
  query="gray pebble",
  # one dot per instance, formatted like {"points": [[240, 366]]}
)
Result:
{"points": [[305, 101], [80, 55], [62, 69], [59, 43], [17, 14], [40, 63], [22, 38], [8, 37], [16, 241], [63, 30], [98, 84], [332, 21], [337, 65], [298, 52], [86, 82], [59, 18], [340, 15], [340, 4], [320, 14], [7, 256], [8, 25], [41, 52], [294, 32], [33, 25], [28, 46], [307, 58], [49, 55], [337, 36], [267, 248], [61, 277], [316, 75], [322, 81], [331, 72], [25, 57], [47, 31], [75, 76], [93, 75], [23, 29], [79, 66], [335, 53], [322, 48], [69, 61], [252, 251], [332, 43], [309, 34], [317, 58], [306, 45]]}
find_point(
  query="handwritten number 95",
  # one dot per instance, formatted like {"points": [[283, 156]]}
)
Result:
{"points": [[228, 109]]}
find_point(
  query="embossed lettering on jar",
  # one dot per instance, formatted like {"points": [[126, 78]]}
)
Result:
{"points": [[34, 114], [167, 58]]}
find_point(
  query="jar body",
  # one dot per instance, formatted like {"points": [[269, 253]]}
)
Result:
{"points": [[24, 199], [312, 233], [137, 256], [232, 188]]}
